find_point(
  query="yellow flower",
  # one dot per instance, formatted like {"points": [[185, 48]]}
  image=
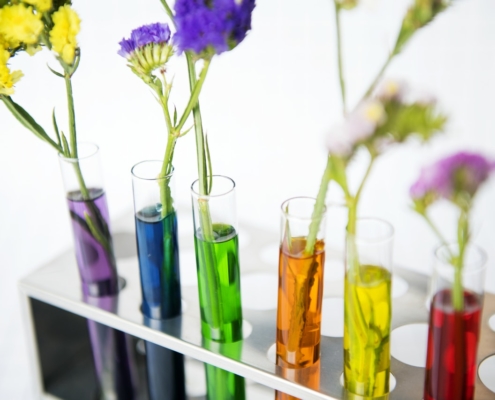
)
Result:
{"points": [[18, 24], [41, 5], [7, 78], [63, 35]]}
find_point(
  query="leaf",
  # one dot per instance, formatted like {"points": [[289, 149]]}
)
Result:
{"points": [[55, 127], [208, 169], [66, 149], [175, 117], [27, 121], [186, 131], [55, 72]]}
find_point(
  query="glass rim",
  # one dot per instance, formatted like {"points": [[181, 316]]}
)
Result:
{"points": [[386, 237], [209, 196], [79, 158], [297, 217], [150, 179], [473, 266]]}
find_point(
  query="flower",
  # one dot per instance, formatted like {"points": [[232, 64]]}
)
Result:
{"points": [[63, 35], [392, 90], [357, 128], [41, 5], [209, 27], [339, 142], [147, 49], [458, 175], [18, 24], [7, 78]]}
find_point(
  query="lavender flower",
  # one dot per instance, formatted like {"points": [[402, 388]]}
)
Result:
{"points": [[147, 34], [460, 174], [147, 49], [209, 27]]}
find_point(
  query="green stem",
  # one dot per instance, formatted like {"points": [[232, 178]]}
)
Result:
{"points": [[72, 116], [206, 225], [365, 178], [319, 208], [379, 76], [462, 240], [193, 100], [339, 57], [198, 128], [168, 10]]}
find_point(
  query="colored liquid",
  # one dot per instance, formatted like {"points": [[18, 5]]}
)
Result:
{"points": [[452, 343], [367, 315], [309, 377], [165, 371], [96, 263], [112, 354], [224, 385], [219, 284], [221, 384], [300, 293], [158, 252]]}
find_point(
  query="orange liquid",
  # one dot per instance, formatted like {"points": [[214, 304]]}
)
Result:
{"points": [[309, 377], [300, 292]]}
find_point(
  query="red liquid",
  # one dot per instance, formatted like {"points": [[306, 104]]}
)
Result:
{"points": [[452, 344]]}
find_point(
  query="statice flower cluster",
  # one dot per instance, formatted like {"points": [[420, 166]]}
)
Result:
{"points": [[147, 49], [209, 27], [458, 176], [356, 129], [391, 116]]}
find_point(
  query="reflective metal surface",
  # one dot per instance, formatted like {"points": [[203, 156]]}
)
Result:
{"points": [[58, 284]]}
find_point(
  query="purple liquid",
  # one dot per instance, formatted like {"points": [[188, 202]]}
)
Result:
{"points": [[112, 355], [96, 263]]}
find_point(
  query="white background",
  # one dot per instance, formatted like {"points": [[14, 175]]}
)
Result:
{"points": [[266, 106]]}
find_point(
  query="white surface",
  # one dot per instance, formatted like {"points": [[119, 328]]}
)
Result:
{"points": [[399, 287], [409, 344], [486, 372], [266, 106], [259, 291], [332, 318], [491, 323]]}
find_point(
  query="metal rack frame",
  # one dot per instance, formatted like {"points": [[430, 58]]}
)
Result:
{"points": [[58, 284]]}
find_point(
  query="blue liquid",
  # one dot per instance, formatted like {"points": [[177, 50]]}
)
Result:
{"points": [[158, 252], [166, 380]]}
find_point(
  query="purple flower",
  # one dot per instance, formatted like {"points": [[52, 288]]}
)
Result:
{"points": [[211, 26], [153, 33], [459, 174]]}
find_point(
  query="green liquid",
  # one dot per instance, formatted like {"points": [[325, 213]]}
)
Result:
{"points": [[368, 311], [224, 385], [220, 303], [219, 284]]}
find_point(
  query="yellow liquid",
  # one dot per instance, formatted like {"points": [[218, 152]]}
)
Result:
{"points": [[368, 311]]}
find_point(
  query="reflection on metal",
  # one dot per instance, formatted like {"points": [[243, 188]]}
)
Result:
{"points": [[112, 354], [165, 369], [58, 284]]}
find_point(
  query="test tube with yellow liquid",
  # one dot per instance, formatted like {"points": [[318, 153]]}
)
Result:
{"points": [[368, 308]]}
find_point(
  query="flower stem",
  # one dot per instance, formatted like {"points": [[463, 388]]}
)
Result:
{"points": [[195, 91], [168, 10], [339, 56], [206, 225], [319, 208], [462, 240], [379, 76]]}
